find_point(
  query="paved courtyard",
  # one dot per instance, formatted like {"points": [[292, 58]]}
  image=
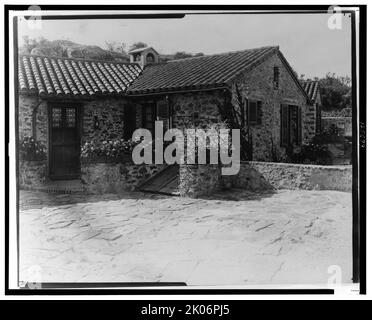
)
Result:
{"points": [[233, 238]]}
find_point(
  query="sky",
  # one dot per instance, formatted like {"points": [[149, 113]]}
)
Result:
{"points": [[309, 45]]}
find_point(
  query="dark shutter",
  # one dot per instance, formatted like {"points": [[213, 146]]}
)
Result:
{"points": [[252, 112], [284, 125], [245, 115], [259, 112], [318, 124], [299, 127], [129, 120]]}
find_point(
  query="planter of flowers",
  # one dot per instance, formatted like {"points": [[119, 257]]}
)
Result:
{"points": [[108, 151]]}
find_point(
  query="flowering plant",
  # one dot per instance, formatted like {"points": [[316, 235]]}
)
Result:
{"points": [[31, 150], [108, 150]]}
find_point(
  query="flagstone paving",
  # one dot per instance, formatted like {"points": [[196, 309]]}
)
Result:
{"points": [[234, 238]]}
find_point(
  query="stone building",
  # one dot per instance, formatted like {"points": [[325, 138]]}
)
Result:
{"points": [[65, 102], [312, 89]]}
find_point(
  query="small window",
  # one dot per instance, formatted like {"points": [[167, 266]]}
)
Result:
{"points": [[252, 112], [71, 117], [150, 58], [56, 117], [276, 77]]}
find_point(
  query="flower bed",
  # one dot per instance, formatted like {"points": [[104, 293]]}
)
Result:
{"points": [[111, 151], [32, 169], [31, 150]]}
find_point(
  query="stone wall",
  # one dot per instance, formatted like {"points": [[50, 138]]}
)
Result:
{"points": [[32, 173], [199, 180], [259, 85], [25, 114], [196, 108], [202, 180], [110, 113], [248, 178], [101, 178], [299, 176]]}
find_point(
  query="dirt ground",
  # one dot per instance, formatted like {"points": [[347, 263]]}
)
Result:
{"points": [[232, 238]]}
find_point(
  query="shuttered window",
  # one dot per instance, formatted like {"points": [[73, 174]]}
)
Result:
{"points": [[253, 112], [130, 120], [290, 125], [284, 125]]}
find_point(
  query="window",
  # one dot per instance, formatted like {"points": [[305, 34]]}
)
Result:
{"points": [[56, 117], [276, 77], [290, 125], [253, 112], [70, 117], [150, 58]]}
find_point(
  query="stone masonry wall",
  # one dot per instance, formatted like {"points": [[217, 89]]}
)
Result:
{"points": [[202, 180], [26, 106], [110, 113], [196, 108], [101, 178], [199, 180], [258, 85], [299, 176]]}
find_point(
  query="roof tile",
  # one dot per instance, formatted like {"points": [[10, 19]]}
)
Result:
{"points": [[197, 72], [311, 88], [65, 76]]}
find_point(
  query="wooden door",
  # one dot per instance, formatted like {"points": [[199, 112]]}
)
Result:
{"points": [[64, 142]]}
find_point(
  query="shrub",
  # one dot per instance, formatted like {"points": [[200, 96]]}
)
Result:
{"points": [[107, 151], [31, 149], [312, 153]]}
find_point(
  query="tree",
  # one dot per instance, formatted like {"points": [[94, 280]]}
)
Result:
{"points": [[182, 55], [43, 46], [335, 92], [233, 114], [138, 45], [114, 46]]}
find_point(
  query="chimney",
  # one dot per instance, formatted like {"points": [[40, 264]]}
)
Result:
{"points": [[144, 56]]}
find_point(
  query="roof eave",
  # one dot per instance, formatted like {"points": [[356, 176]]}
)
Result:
{"points": [[252, 66], [177, 90], [291, 72]]}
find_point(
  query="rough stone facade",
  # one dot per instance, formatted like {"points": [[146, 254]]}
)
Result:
{"points": [[258, 85], [110, 113], [299, 176], [101, 178], [196, 108], [27, 105], [248, 178], [204, 180], [199, 180]]}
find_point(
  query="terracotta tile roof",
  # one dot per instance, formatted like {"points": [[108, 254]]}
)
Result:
{"points": [[198, 72], [51, 76], [311, 88]]}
